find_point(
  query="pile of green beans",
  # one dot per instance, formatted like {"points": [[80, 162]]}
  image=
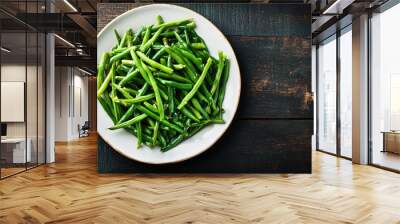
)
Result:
{"points": [[161, 84]]}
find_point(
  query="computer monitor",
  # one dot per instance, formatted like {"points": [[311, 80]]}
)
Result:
{"points": [[3, 129]]}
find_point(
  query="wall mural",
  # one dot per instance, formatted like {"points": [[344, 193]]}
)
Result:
{"points": [[271, 131]]}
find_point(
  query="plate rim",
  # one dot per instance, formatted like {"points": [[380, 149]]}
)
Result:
{"points": [[228, 124]]}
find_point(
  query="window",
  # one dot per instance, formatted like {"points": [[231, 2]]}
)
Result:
{"points": [[327, 95], [346, 92], [385, 89]]}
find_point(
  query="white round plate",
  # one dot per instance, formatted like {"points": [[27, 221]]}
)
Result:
{"points": [[124, 142]]}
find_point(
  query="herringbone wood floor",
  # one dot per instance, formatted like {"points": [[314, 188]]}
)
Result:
{"points": [[71, 191]]}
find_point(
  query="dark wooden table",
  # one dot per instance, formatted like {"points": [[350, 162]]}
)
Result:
{"points": [[272, 130]]}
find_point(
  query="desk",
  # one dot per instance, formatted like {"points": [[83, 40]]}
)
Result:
{"points": [[13, 150], [391, 141]]}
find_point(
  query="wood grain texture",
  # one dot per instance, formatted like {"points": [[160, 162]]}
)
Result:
{"points": [[236, 18], [249, 146], [273, 127], [71, 191], [275, 76]]}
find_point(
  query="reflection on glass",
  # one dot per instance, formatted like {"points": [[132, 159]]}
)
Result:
{"points": [[385, 93], [41, 99], [31, 97], [327, 96], [14, 153], [346, 94]]}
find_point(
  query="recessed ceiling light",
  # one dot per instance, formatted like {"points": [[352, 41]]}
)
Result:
{"points": [[5, 50], [84, 71], [64, 40], [70, 5]]}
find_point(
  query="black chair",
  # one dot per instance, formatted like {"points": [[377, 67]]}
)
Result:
{"points": [[84, 130]]}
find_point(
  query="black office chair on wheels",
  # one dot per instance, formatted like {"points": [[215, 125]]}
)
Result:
{"points": [[84, 130]]}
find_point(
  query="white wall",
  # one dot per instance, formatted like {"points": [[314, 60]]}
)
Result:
{"points": [[71, 93]]}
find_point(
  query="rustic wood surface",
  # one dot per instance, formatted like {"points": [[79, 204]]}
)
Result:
{"points": [[71, 191], [272, 130]]}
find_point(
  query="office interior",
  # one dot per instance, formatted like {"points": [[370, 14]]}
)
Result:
{"points": [[48, 73]]}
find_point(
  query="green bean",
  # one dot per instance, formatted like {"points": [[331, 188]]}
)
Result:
{"points": [[223, 86], [169, 61], [154, 63], [151, 41], [172, 76], [153, 84], [137, 99], [186, 36], [122, 91], [195, 112], [117, 51], [198, 45], [191, 25], [129, 77], [171, 104], [130, 91], [158, 54], [121, 55], [185, 86], [107, 109], [196, 85], [196, 61], [157, 46], [159, 20], [155, 133], [123, 69], [198, 106], [116, 107], [137, 35], [161, 140], [178, 66], [123, 41], [219, 73], [138, 64], [101, 68], [127, 62], [150, 107], [117, 36], [172, 24], [146, 36], [154, 116], [173, 143], [179, 38], [131, 109], [189, 114], [129, 123], [107, 80], [139, 134]]}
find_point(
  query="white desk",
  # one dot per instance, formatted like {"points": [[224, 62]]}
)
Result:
{"points": [[19, 155]]}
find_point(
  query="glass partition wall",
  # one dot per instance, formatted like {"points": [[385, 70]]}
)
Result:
{"points": [[22, 98], [334, 93], [385, 89]]}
